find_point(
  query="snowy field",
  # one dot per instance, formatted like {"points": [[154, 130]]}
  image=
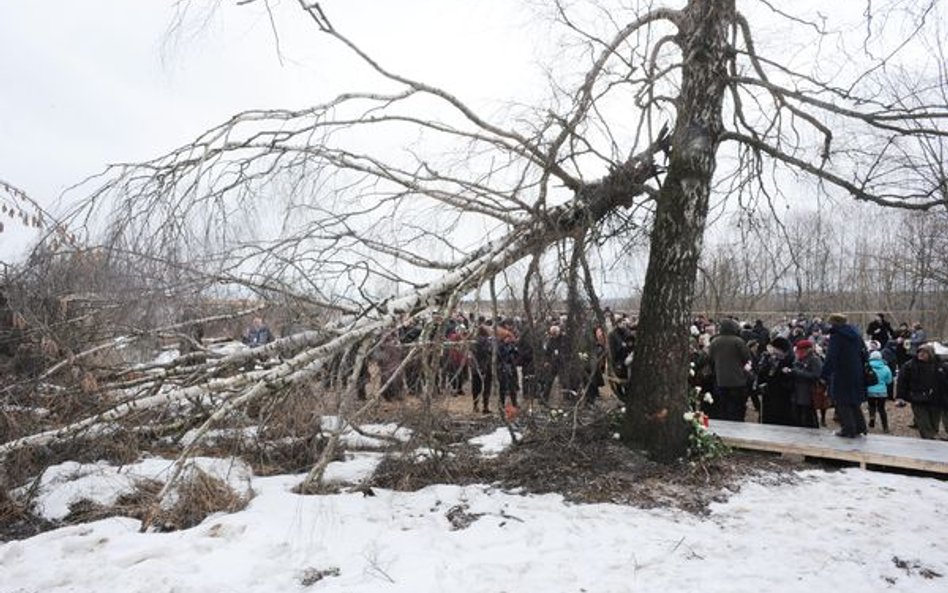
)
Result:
{"points": [[840, 531]]}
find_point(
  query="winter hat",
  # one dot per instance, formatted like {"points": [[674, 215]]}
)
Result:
{"points": [[929, 349], [804, 345], [781, 343], [875, 355], [836, 319]]}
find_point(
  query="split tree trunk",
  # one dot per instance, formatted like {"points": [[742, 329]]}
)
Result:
{"points": [[659, 395]]}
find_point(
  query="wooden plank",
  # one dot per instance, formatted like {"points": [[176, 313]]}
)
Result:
{"points": [[884, 450]]}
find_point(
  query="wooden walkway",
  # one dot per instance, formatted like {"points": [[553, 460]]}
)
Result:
{"points": [[874, 449]]}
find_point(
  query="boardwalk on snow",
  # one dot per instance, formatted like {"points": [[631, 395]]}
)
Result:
{"points": [[875, 449]]}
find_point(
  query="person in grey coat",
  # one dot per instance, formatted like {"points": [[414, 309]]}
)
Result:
{"points": [[729, 355], [806, 370]]}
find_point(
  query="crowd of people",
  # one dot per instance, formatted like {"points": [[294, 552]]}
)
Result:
{"points": [[791, 374], [794, 373], [527, 364]]}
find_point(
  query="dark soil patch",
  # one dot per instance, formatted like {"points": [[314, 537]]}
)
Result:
{"points": [[16, 520], [587, 465]]}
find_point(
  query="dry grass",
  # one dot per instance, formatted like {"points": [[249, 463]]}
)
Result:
{"points": [[196, 497], [16, 520]]}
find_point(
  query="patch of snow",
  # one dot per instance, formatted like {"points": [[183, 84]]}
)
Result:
{"points": [[354, 469], [845, 531], [354, 440], [228, 348], [103, 483], [494, 443]]}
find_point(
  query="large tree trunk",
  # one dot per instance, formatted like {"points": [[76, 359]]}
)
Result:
{"points": [[660, 367]]}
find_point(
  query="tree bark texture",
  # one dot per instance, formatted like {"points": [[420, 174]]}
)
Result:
{"points": [[659, 395]]}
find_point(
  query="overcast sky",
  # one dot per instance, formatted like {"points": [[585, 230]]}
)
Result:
{"points": [[95, 82], [102, 81]]}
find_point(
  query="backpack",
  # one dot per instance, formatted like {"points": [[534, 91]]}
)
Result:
{"points": [[869, 376]]}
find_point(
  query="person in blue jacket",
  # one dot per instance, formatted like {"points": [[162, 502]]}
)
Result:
{"points": [[843, 373], [879, 392]]}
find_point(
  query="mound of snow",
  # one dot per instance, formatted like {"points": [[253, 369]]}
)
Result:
{"points": [[103, 483]]}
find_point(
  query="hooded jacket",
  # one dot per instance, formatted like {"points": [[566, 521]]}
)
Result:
{"points": [[884, 374], [843, 366], [729, 353]]}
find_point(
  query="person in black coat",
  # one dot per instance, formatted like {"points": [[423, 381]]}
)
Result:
{"points": [[482, 371], [528, 369], [507, 359], [554, 352], [880, 330], [621, 346], [776, 382], [806, 370], [843, 372], [761, 333], [923, 382]]}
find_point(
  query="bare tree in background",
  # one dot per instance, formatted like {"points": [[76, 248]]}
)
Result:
{"points": [[675, 107]]}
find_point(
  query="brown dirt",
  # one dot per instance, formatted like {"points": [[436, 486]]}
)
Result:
{"points": [[584, 464]]}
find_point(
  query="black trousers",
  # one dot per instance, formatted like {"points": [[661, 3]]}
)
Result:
{"points": [[877, 404], [481, 387], [734, 402]]}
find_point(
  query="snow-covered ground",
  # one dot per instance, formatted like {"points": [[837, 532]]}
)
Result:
{"points": [[844, 531]]}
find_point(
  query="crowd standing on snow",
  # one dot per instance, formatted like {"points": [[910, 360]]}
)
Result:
{"points": [[791, 374]]}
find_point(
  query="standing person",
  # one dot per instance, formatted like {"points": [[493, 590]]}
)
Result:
{"points": [[843, 372], [554, 351], [761, 333], [482, 372], [258, 334], [806, 370], [880, 330], [409, 333], [455, 358], [729, 355], [775, 377], [621, 346], [528, 363], [255, 336], [879, 391], [917, 337], [923, 382], [507, 360], [389, 358], [595, 366]]}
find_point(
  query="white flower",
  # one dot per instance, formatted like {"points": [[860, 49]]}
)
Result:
{"points": [[616, 436], [698, 389], [708, 398], [622, 410], [688, 416], [691, 373]]}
